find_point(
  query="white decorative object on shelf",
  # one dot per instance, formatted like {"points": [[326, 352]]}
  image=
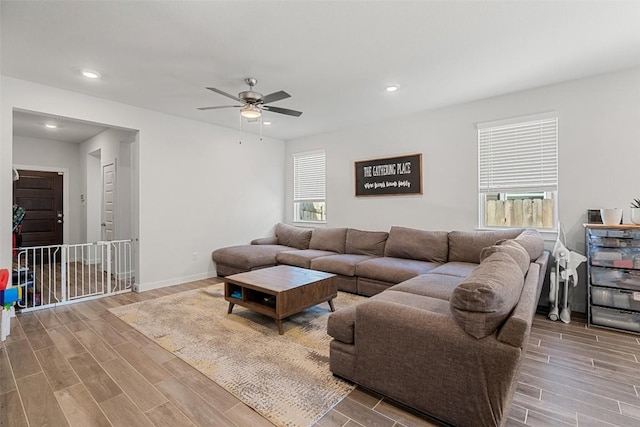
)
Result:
{"points": [[611, 216]]}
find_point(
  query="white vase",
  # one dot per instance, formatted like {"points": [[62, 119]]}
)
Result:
{"points": [[611, 216], [635, 215]]}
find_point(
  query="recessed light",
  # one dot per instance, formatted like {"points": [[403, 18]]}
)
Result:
{"points": [[266, 123], [90, 74], [51, 126], [392, 88]]}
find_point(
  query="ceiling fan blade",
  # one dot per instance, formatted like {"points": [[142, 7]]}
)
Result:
{"points": [[218, 107], [221, 92], [275, 96], [283, 111]]}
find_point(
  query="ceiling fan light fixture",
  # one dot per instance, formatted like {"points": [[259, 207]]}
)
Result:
{"points": [[250, 111]]}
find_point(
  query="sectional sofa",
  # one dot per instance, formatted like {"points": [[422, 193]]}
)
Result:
{"points": [[449, 317]]}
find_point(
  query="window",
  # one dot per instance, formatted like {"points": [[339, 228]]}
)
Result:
{"points": [[309, 174], [518, 172]]}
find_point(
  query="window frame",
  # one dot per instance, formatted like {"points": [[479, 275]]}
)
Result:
{"points": [[505, 193], [310, 194]]}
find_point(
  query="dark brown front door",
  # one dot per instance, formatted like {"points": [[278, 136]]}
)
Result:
{"points": [[40, 194]]}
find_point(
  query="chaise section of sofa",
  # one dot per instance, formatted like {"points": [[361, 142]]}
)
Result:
{"points": [[261, 253], [241, 258], [448, 343]]}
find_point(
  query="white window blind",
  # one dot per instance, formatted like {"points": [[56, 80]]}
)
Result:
{"points": [[518, 157], [309, 173]]}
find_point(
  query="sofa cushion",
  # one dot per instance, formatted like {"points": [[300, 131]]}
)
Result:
{"points": [[532, 241], [460, 269], [465, 246], [341, 323], [421, 245], [435, 305], [329, 239], [511, 248], [366, 242], [429, 285], [248, 257], [295, 237], [370, 287], [482, 302], [393, 270], [344, 264], [301, 258]]}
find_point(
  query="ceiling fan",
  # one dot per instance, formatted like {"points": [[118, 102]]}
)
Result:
{"points": [[253, 103]]}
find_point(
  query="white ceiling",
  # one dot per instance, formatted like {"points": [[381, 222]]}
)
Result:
{"points": [[334, 57], [32, 125]]}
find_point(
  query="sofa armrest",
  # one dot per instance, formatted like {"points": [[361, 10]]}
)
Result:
{"points": [[516, 329], [425, 360], [341, 323], [265, 241]]}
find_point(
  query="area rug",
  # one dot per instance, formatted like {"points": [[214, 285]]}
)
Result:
{"points": [[285, 378]]}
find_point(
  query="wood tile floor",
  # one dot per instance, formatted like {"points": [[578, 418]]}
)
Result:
{"points": [[79, 365]]}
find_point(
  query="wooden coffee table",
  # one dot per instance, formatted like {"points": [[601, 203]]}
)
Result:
{"points": [[280, 291]]}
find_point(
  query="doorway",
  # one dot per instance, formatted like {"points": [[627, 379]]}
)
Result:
{"points": [[98, 184], [40, 194]]}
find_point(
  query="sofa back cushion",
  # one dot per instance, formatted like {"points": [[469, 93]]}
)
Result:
{"points": [[294, 237], [366, 242], [484, 300], [421, 245], [511, 248], [329, 239], [465, 246]]}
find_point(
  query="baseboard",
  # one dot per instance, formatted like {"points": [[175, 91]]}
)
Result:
{"points": [[141, 287], [123, 275], [91, 261]]}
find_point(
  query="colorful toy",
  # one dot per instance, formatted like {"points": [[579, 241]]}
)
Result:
{"points": [[4, 278], [8, 298]]}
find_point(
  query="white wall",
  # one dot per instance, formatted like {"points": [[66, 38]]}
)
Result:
{"points": [[199, 189], [112, 146], [47, 155], [599, 150]]}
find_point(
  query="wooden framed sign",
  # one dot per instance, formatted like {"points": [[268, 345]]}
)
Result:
{"points": [[389, 176]]}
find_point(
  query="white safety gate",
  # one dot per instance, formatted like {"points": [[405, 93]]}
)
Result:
{"points": [[60, 274]]}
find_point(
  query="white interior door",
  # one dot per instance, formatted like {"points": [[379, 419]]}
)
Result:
{"points": [[109, 201]]}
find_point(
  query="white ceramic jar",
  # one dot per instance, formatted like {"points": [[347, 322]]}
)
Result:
{"points": [[611, 216]]}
